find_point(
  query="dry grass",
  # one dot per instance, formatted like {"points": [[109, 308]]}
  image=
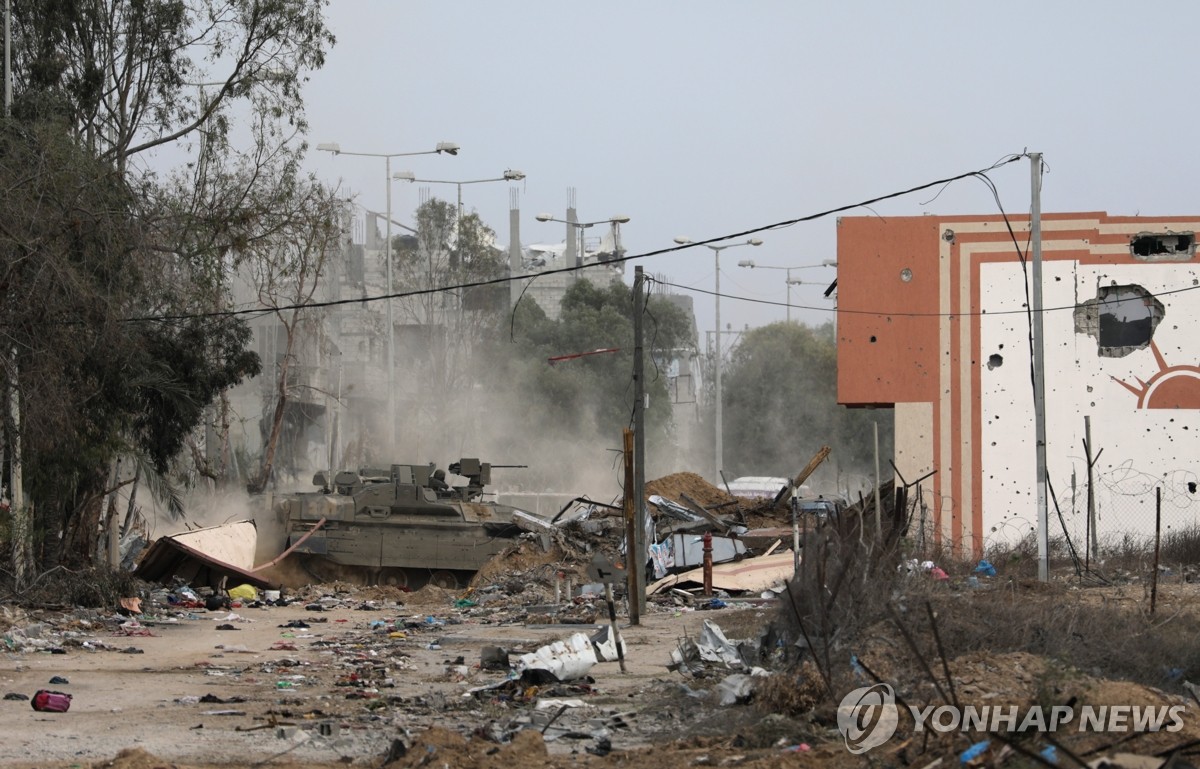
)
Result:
{"points": [[851, 603], [97, 587], [790, 693]]}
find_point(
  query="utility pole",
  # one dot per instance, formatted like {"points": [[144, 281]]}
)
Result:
{"points": [[719, 449], [628, 508], [1039, 366], [637, 556]]}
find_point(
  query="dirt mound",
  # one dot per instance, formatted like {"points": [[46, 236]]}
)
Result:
{"points": [[442, 747], [674, 486], [522, 559], [430, 595]]}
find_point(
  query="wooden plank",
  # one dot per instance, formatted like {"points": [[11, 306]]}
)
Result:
{"points": [[812, 465], [697, 508]]}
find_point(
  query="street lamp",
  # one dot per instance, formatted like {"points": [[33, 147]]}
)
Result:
{"points": [[408, 176], [581, 226], [720, 449], [790, 282], [447, 148]]}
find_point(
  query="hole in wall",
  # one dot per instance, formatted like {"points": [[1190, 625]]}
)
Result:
{"points": [[1169, 247], [1122, 318]]}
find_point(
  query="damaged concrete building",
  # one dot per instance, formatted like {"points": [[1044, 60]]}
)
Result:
{"points": [[934, 320], [341, 393]]}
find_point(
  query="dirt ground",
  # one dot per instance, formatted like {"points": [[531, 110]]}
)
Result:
{"points": [[339, 675], [381, 677], [375, 665]]}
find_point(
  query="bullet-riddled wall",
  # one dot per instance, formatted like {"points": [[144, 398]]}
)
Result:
{"points": [[933, 318]]}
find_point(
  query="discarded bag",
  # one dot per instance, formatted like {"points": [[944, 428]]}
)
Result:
{"points": [[50, 701], [244, 593]]}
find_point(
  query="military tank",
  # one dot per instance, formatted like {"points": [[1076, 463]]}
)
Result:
{"points": [[401, 526]]}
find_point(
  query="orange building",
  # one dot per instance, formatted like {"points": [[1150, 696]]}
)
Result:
{"points": [[933, 320]]}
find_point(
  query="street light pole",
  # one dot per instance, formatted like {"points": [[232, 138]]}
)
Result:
{"points": [[789, 295], [510, 175], [753, 265], [449, 148], [719, 449], [581, 226]]}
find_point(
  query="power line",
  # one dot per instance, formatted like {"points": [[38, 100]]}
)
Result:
{"points": [[844, 311], [576, 268]]}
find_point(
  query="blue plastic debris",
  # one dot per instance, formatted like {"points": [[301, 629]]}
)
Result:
{"points": [[975, 751], [986, 569], [1050, 753]]}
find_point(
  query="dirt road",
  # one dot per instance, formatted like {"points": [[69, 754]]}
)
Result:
{"points": [[335, 686]]}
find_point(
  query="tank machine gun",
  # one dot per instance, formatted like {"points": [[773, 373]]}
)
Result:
{"points": [[399, 526]]}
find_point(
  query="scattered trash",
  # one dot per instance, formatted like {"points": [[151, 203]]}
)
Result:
{"points": [[132, 628], [49, 701], [560, 661], [974, 752], [606, 650], [735, 689], [985, 569], [244, 593], [58, 680], [493, 658]]}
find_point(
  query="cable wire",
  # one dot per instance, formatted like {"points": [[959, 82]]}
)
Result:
{"points": [[576, 268]]}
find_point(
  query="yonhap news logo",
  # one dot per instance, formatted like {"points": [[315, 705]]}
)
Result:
{"points": [[867, 717]]}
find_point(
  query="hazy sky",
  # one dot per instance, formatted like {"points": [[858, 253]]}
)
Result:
{"points": [[706, 118]]}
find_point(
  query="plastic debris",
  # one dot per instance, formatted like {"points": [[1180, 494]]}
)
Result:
{"points": [[560, 661], [975, 751], [244, 593]]}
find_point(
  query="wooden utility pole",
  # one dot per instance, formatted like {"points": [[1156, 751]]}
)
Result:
{"points": [[632, 587], [637, 559]]}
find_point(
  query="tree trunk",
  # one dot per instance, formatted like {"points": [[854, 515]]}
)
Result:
{"points": [[132, 509], [264, 476], [81, 526], [112, 533]]}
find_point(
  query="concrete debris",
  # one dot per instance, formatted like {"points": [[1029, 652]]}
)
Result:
{"points": [[738, 688]]}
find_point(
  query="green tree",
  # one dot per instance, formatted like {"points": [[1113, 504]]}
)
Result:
{"points": [[590, 398], [781, 406], [96, 375], [117, 344]]}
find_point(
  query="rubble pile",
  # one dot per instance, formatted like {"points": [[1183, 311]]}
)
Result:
{"points": [[676, 485], [536, 659]]}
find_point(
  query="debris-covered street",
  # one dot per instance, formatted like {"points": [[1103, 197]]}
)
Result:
{"points": [[522, 667]]}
